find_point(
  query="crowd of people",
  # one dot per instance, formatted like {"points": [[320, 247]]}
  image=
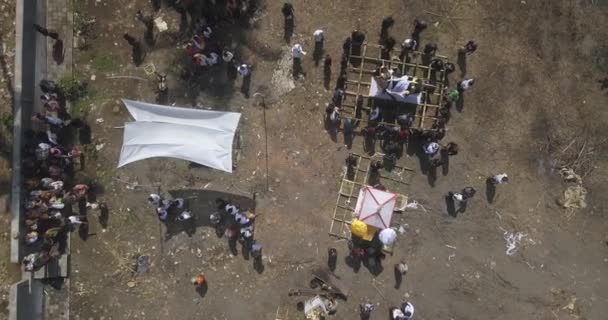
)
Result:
{"points": [[237, 225], [49, 162]]}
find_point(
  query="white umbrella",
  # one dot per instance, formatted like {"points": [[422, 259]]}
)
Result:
{"points": [[388, 236]]}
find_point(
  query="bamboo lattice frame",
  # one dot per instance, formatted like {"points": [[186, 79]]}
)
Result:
{"points": [[344, 212], [370, 57]]}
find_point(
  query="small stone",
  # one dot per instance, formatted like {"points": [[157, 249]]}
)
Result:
{"points": [[116, 109]]}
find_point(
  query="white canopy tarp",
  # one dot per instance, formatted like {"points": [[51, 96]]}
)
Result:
{"points": [[200, 136], [375, 207], [394, 91]]}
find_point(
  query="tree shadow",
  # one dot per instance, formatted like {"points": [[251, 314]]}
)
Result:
{"points": [[490, 190], [58, 51], [201, 203], [462, 62]]}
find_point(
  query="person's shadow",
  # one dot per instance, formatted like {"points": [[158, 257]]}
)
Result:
{"points": [[353, 262], [490, 190], [202, 290], [58, 51], [246, 85], [317, 54], [258, 265], [460, 102], [450, 206], [332, 129], [138, 55], [156, 4], [431, 173], [327, 76], [288, 28], [232, 245], [83, 231], [104, 215], [149, 37], [162, 97], [297, 68], [445, 162], [398, 278], [462, 62]]}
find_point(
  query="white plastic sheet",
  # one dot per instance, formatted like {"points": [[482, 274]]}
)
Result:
{"points": [[200, 136], [393, 92], [375, 207], [388, 236]]}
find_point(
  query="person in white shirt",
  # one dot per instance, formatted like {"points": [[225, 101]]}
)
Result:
{"points": [[227, 56], [458, 197], [408, 310], [162, 214], [397, 314], [154, 199], [465, 84], [431, 148], [318, 36], [241, 218], [179, 203], [212, 59], [297, 52], [500, 178], [375, 114], [231, 209], [75, 220], [184, 216], [244, 70]]}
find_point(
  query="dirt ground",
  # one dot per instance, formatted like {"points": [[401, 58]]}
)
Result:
{"points": [[8, 273], [537, 70]]}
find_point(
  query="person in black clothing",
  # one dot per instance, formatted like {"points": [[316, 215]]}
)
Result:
{"points": [[148, 22], [346, 46], [419, 26], [387, 23], [430, 48], [288, 12], [137, 49], [289, 24]]}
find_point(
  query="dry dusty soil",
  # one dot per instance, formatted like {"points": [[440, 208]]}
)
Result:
{"points": [[8, 273], [537, 70]]}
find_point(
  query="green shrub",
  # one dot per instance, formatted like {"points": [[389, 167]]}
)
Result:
{"points": [[72, 88]]}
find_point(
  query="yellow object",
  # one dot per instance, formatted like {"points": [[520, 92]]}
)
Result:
{"points": [[362, 230]]}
